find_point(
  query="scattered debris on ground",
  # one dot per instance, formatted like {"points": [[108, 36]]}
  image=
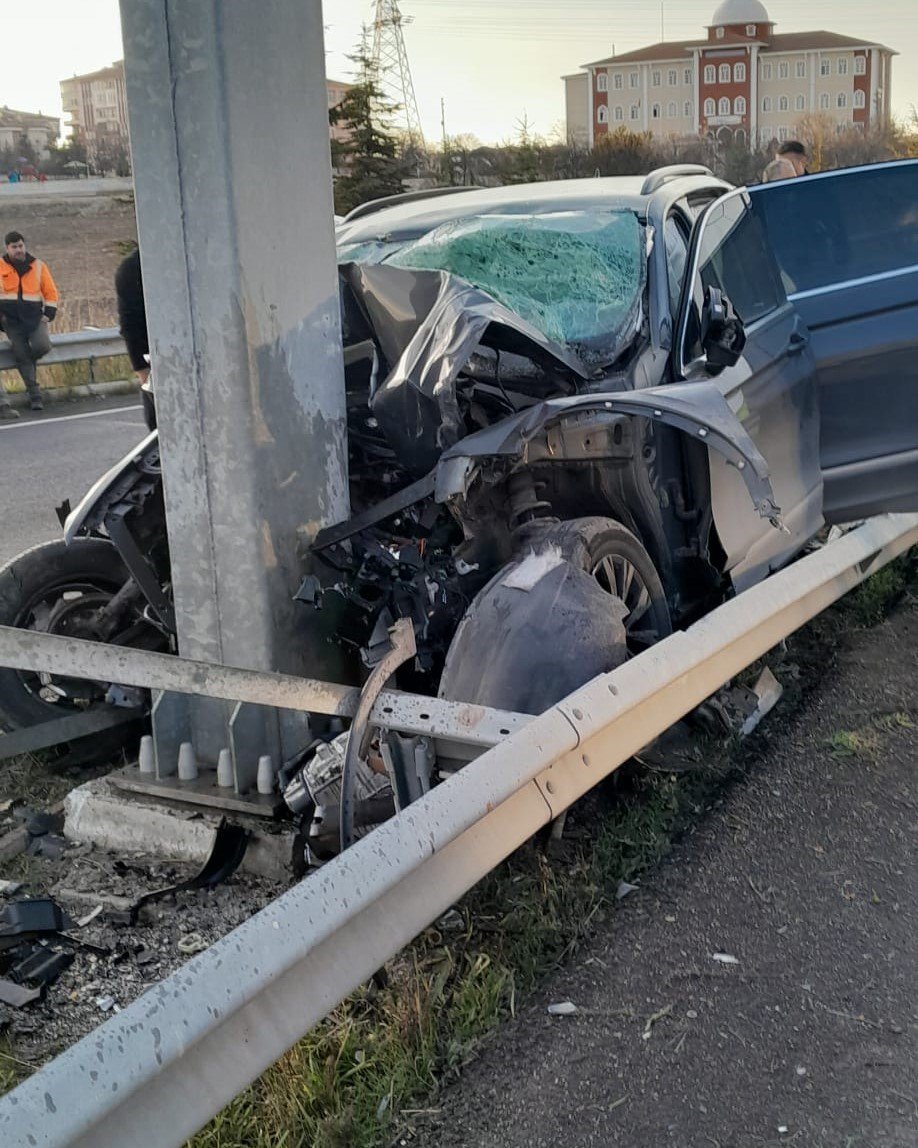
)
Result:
{"points": [[83, 932]]}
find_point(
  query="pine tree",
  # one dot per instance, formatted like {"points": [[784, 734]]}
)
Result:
{"points": [[366, 160]]}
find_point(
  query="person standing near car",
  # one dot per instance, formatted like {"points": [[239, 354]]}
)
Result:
{"points": [[132, 314], [28, 303], [789, 162]]}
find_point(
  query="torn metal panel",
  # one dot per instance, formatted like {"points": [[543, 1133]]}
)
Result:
{"points": [[428, 324], [698, 409]]}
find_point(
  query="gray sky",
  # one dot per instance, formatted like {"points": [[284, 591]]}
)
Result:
{"points": [[492, 60]]}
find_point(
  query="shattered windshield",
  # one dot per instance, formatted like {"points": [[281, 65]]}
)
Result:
{"points": [[578, 276]]}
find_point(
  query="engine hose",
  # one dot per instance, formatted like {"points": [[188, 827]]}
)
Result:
{"points": [[402, 649]]}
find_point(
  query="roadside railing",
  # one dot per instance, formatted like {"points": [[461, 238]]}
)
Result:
{"points": [[174, 1057], [102, 343]]}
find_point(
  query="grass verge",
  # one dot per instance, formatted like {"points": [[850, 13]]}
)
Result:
{"points": [[355, 1079]]}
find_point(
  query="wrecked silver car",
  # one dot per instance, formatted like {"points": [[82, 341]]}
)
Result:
{"points": [[580, 414]]}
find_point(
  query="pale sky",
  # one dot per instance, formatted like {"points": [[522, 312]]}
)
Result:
{"points": [[491, 60]]}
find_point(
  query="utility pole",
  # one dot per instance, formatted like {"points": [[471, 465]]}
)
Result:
{"points": [[240, 281], [447, 156]]}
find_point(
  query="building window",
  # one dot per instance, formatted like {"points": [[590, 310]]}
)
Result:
{"points": [[710, 74], [860, 65], [825, 67], [710, 107], [859, 101], [801, 69], [739, 73], [687, 76], [800, 103], [724, 73], [739, 106], [783, 104], [632, 79], [618, 81], [602, 82], [824, 100], [655, 111], [619, 113], [673, 77], [672, 111], [750, 29], [723, 107], [635, 112], [719, 33], [766, 71], [782, 134], [602, 114], [842, 100], [783, 70], [843, 65], [656, 79], [687, 110], [766, 104]]}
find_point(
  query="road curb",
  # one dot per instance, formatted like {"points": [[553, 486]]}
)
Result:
{"points": [[99, 814], [81, 391]]}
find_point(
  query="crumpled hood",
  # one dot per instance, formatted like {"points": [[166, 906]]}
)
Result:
{"points": [[428, 324]]}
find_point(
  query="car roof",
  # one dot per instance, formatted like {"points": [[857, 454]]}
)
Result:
{"points": [[416, 216]]}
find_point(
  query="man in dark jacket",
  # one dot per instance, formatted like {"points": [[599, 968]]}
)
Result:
{"points": [[28, 303], [132, 314]]}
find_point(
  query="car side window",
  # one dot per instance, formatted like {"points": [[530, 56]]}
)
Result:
{"points": [[676, 243], [732, 255], [841, 227]]}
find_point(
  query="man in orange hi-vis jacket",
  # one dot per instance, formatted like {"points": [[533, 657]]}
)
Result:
{"points": [[28, 303]]}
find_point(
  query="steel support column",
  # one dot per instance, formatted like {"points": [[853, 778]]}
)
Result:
{"points": [[229, 137]]}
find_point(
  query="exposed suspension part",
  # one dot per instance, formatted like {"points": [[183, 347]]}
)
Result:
{"points": [[523, 500]]}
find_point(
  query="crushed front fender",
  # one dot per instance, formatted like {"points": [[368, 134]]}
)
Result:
{"points": [[696, 409]]}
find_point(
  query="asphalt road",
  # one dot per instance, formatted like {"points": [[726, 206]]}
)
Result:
{"points": [[56, 455], [758, 989]]}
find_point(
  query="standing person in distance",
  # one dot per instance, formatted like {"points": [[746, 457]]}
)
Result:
{"points": [[132, 314], [28, 303], [789, 162], [132, 321]]}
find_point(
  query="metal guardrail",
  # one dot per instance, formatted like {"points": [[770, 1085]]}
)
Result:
{"points": [[72, 346], [178, 1054]]}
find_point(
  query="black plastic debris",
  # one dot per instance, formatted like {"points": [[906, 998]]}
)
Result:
{"points": [[23, 920], [230, 844], [40, 966], [28, 960]]}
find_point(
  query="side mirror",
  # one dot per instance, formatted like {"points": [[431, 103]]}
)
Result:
{"points": [[722, 335]]}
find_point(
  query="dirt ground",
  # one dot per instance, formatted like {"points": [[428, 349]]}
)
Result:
{"points": [[759, 989], [82, 240]]}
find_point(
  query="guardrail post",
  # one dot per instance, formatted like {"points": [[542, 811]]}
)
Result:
{"points": [[229, 136]]}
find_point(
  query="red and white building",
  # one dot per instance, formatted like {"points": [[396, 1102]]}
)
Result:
{"points": [[744, 80]]}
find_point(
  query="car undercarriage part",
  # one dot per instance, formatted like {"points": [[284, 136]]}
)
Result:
{"points": [[402, 649], [314, 792], [65, 729]]}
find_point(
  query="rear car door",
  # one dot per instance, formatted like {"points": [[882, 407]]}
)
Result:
{"points": [[771, 388], [847, 245]]}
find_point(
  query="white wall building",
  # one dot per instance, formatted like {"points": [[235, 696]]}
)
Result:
{"points": [[744, 80]]}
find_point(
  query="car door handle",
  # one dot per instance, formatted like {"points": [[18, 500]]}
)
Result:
{"points": [[798, 342]]}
